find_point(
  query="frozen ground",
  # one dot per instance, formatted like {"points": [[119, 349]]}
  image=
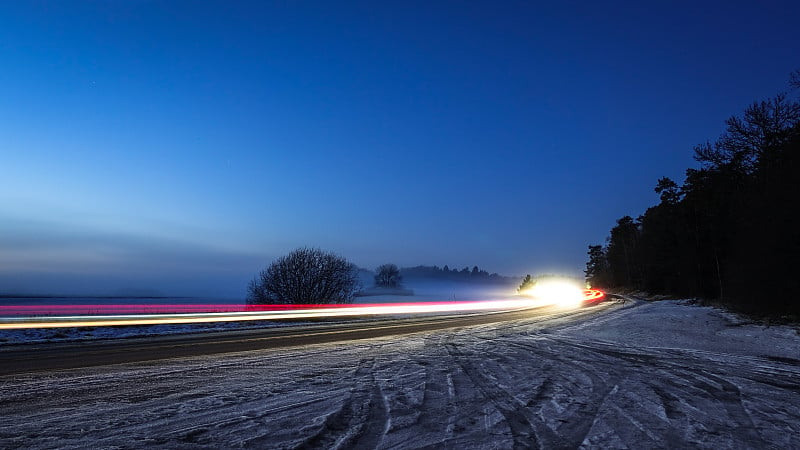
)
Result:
{"points": [[642, 375]]}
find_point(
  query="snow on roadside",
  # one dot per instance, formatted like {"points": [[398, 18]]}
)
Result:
{"points": [[642, 375], [675, 324]]}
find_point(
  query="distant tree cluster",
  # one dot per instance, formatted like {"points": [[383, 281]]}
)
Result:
{"points": [[310, 275], [305, 276], [388, 276], [730, 231], [446, 273]]}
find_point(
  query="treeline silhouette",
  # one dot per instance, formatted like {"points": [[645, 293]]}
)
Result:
{"points": [[446, 273], [730, 231]]}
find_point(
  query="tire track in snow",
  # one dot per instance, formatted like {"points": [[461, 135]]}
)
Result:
{"points": [[674, 435], [362, 420], [524, 432], [438, 402], [377, 421], [582, 413], [705, 383], [728, 395]]}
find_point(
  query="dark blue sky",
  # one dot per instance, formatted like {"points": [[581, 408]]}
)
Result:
{"points": [[162, 144]]}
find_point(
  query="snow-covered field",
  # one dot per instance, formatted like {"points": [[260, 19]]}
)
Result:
{"points": [[641, 375]]}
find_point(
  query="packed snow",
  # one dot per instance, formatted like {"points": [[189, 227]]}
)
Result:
{"points": [[634, 375]]}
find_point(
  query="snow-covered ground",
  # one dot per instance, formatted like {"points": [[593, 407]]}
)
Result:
{"points": [[640, 375]]}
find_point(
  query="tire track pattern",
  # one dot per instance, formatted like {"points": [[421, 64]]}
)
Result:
{"points": [[516, 416], [524, 386]]}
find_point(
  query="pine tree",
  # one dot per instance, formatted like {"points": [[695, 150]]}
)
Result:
{"points": [[527, 283]]}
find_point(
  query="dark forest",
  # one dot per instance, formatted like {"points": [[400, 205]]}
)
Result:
{"points": [[729, 232]]}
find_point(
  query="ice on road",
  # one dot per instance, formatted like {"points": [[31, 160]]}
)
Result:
{"points": [[642, 375]]}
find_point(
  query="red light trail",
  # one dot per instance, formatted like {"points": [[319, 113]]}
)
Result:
{"points": [[58, 316]]}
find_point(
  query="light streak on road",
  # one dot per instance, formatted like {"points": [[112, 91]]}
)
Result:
{"points": [[593, 295], [24, 316]]}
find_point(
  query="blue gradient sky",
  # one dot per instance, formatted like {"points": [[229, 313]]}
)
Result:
{"points": [[175, 144]]}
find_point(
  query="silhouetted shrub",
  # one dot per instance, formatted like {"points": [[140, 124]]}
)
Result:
{"points": [[305, 276]]}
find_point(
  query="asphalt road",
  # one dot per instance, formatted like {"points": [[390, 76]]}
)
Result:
{"points": [[59, 356]]}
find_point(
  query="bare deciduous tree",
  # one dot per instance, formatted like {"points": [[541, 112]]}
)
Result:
{"points": [[305, 276], [388, 275], [764, 127]]}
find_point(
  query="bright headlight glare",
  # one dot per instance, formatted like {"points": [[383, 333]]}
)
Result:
{"points": [[559, 292]]}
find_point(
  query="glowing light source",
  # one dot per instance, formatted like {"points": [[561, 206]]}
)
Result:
{"points": [[560, 292]]}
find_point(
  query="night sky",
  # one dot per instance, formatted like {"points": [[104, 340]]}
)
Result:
{"points": [[181, 146]]}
